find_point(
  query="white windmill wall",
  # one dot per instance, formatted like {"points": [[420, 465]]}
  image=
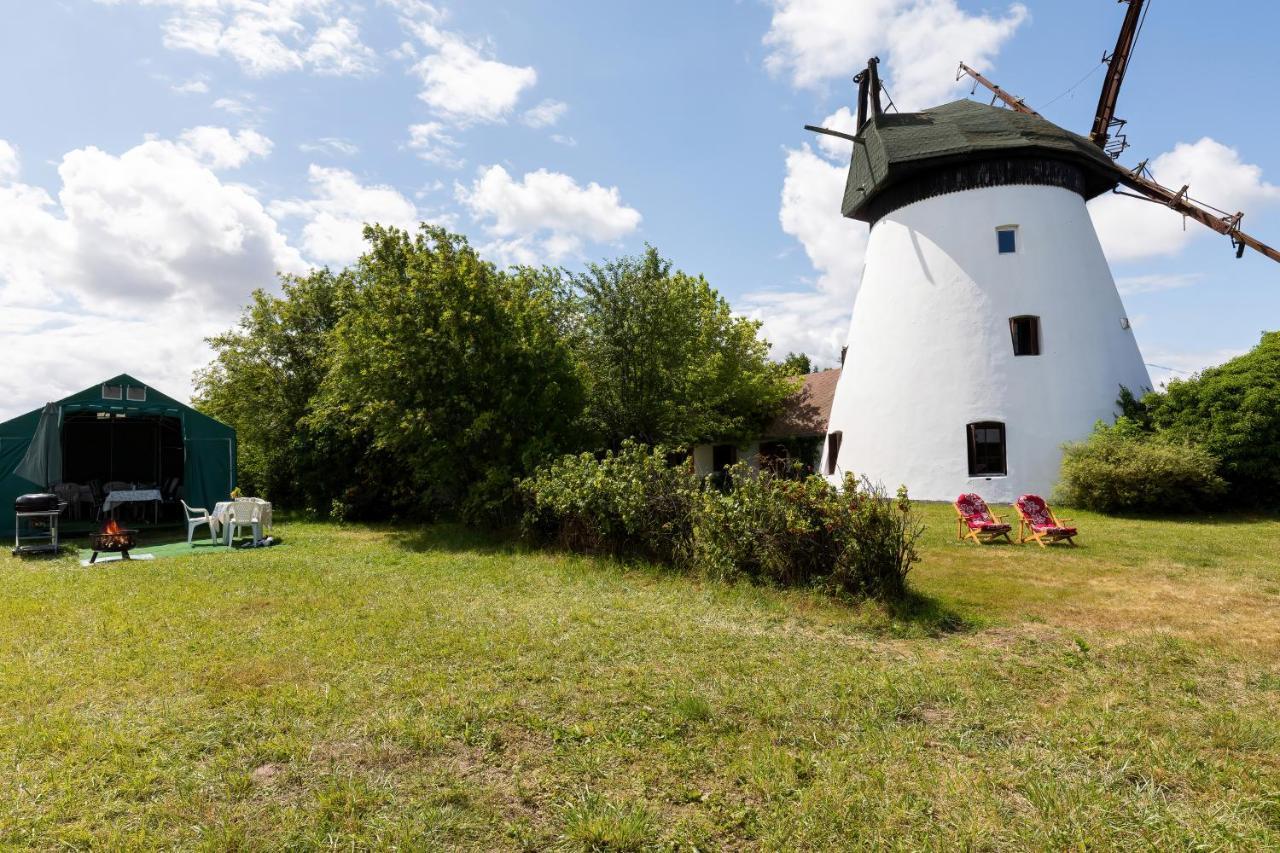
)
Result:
{"points": [[930, 349]]}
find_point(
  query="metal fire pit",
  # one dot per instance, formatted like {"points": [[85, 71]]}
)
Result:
{"points": [[113, 540]]}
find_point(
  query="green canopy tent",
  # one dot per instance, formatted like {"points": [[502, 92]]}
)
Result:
{"points": [[122, 430]]}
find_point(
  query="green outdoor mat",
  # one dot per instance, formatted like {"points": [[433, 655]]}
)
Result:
{"points": [[172, 549]]}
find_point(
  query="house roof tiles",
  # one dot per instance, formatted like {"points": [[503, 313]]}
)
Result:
{"points": [[806, 413]]}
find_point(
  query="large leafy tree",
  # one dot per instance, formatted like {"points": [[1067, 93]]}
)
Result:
{"points": [[423, 380], [264, 376], [664, 359], [455, 372], [1233, 411]]}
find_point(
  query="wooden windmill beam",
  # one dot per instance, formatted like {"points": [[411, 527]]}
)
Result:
{"points": [[1012, 100], [1228, 225], [1117, 63]]}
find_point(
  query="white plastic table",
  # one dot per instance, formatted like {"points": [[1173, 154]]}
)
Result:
{"points": [[219, 515], [124, 496]]}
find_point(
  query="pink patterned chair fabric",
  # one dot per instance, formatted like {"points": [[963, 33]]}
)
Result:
{"points": [[1041, 521], [978, 515]]}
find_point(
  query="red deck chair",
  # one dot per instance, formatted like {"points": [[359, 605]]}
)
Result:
{"points": [[976, 521], [1038, 523]]}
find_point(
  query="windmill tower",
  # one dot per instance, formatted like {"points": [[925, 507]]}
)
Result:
{"points": [[987, 330]]}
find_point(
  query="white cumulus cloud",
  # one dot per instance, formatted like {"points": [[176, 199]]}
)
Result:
{"points": [[8, 160], [1131, 229], [219, 148], [338, 210], [463, 84], [815, 318], [338, 51], [545, 114], [266, 36], [195, 86], [839, 150], [435, 144], [815, 42], [330, 145], [545, 216], [137, 257]]}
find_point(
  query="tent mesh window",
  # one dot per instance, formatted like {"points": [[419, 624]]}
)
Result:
{"points": [[986, 449], [136, 394], [111, 392]]}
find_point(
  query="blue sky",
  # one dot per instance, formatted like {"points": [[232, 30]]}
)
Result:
{"points": [[159, 159]]}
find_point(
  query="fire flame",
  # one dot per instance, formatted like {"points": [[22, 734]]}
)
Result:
{"points": [[111, 528]]}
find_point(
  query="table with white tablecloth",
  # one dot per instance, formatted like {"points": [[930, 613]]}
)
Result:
{"points": [[124, 496], [221, 508]]}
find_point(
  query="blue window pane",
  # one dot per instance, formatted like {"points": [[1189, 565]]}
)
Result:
{"points": [[1006, 241]]}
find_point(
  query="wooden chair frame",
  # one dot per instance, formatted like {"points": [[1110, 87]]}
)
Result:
{"points": [[1044, 538], [979, 535]]}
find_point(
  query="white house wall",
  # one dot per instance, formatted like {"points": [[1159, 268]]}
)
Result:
{"points": [[703, 455], [930, 349]]}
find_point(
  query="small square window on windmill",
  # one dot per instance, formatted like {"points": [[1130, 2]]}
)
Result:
{"points": [[1007, 239]]}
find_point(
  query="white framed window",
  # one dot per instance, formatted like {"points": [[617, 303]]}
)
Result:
{"points": [[986, 449], [112, 392], [136, 394], [1007, 239]]}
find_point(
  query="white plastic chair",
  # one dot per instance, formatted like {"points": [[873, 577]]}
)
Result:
{"points": [[195, 517], [69, 493], [242, 514]]}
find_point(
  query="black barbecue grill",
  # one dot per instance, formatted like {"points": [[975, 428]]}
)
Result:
{"points": [[36, 524]]}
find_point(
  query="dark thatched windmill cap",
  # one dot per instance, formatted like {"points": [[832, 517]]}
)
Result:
{"points": [[901, 158]]}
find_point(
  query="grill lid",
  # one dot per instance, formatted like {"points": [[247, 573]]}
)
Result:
{"points": [[36, 503]]}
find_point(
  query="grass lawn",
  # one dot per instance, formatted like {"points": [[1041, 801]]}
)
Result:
{"points": [[374, 687]]}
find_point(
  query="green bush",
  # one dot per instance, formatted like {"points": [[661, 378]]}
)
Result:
{"points": [[1233, 410], [766, 527], [1123, 469], [629, 502], [806, 533]]}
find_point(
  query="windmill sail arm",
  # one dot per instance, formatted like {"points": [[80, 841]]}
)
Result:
{"points": [[1147, 188], [1105, 116], [1010, 99], [1179, 201]]}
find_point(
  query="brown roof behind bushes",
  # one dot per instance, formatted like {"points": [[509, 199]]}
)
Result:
{"points": [[806, 413]]}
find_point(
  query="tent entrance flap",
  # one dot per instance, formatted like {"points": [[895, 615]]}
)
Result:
{"points": [[42, 462], [210, 469]]}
